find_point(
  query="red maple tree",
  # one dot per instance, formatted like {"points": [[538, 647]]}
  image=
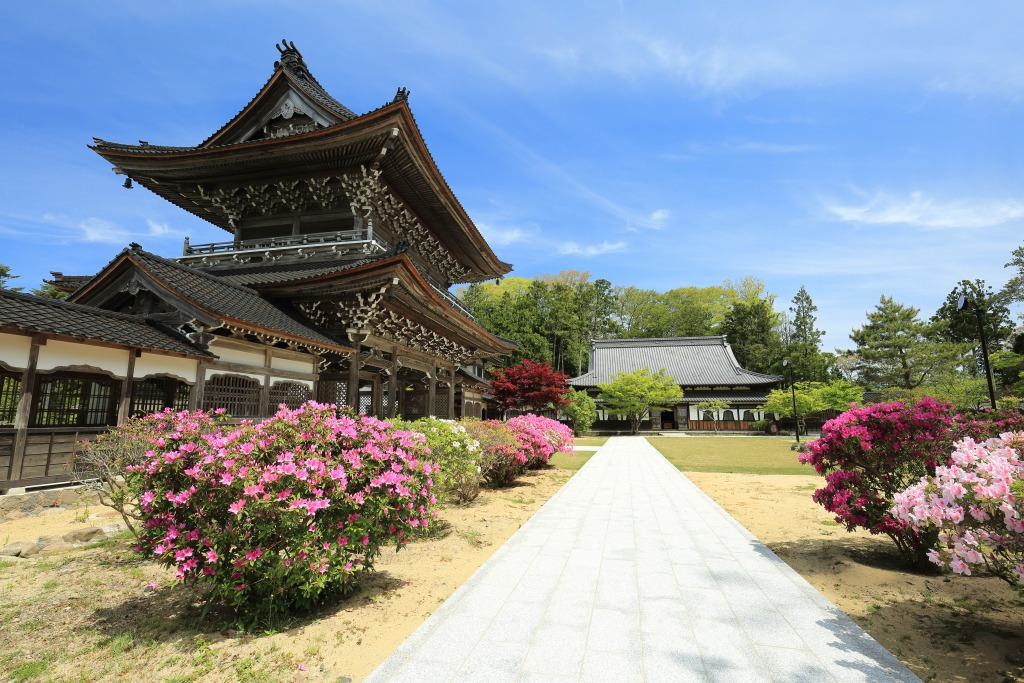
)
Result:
{"points": [[529, 386]]}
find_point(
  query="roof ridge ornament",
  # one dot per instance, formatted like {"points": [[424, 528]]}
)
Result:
{"points": [[402, 95], [290, 55]]}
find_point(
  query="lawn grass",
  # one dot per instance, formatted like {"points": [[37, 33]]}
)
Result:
{"points": [[575, 461], [591, 440], [741, 455]]}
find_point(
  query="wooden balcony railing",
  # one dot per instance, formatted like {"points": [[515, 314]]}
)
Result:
{"points": [[339, 240]]}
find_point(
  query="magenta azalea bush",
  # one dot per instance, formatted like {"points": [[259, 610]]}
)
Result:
{"points": [[869, 454], [975, 502], [543, 435], [281, 514]]}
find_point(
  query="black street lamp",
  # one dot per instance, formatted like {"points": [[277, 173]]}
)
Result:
{"points": [[792, 388], [960, 303]]}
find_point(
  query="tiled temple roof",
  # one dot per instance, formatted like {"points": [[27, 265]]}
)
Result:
{"points": [[691, 361], [32, 313]]}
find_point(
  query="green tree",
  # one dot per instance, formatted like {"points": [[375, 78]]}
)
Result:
{"points": [[713, 406], [838, 395], [581, 411], [49, 291], [751, 328], [895, 349], [635, 394], [1013, 290], [6, 277], [961, 327], [803, 348], [780, 401]]}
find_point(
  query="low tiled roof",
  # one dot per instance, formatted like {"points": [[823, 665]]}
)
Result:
{"points": [[39, 314], [229, 300], [261, 274], [751, 397], [691, 361]]}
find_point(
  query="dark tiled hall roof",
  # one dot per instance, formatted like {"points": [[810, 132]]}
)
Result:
{"points": [[228, 300], [691, 361], [39, 314]]}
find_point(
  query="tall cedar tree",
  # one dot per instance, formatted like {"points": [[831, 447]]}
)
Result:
{"points": [[808, 363], [529, 386], [894, 348], [6, 277]]}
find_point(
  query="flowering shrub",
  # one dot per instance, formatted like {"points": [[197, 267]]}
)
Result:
{"points": [[542, 436], [105, 463], [869, 454], [975, 502], [283, 513], [457, 456], [503, 456]]}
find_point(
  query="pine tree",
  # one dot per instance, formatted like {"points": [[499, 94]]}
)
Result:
{"points": [[804, 348]]}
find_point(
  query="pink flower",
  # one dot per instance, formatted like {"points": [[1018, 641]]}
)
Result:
{"points": [[237, 506]]}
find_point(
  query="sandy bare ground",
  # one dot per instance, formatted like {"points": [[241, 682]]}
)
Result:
{"points": [[945, 629], [88, 614]]}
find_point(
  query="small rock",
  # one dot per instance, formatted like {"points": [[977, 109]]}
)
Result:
{"points": [[47, 540], [90, 533], [34, 550], [55, 547], [15, 549]]}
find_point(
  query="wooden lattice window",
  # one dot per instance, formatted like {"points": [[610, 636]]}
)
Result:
{"points": [[748, 415], [366, 399], [10, 394], [333, 391], [727, 415], [292, 394], [441, 405], [75, 400], [153, 394], [239, 396]]}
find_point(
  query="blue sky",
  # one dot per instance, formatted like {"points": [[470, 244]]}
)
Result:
{"points": [[854, 148]]}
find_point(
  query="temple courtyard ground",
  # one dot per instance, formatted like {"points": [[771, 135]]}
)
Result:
{"points": [[89, 613]]}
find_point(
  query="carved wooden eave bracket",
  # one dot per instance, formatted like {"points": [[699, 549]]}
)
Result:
{"points": [[375, 201]]}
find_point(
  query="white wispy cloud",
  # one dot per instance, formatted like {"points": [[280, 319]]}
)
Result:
{"points": [[694, 149], [592, 249], [922, 211], [504, 235]]}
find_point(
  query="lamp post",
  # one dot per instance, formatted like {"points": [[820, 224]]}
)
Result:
{"points": [[960, 303], [792, 388]]}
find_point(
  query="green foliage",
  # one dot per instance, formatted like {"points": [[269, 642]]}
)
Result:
{"points": [[961, 327], [838, 395], [1007, 368], [635, 394], [895, 349], [47, 290], [751, 328], [780, 401], [1013, 290], [6, 277], [581, 411], [457, 455]]}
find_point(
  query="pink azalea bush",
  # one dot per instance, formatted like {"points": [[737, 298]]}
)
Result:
{"points": [[976, 503], [543, 436], [869, 454], [281, 514]]}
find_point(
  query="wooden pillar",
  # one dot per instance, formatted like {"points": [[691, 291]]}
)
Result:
{"points": [[265, 408], [392, 386], [356, 337], [451, 396], [126, 387], [24, 411], [432, 394], [195, 397]]}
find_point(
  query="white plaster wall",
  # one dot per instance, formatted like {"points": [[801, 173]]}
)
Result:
{"points": [[213, 373], [158, 364], [298, 365], [14, 350], [57, 354], [233, 355]]}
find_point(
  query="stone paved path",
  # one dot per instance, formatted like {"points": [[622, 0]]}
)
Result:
{"points": [[631, 573]]}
